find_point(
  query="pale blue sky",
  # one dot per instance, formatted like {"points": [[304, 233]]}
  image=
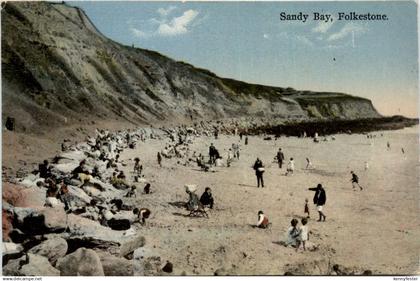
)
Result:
{"points": [[247, 41]]}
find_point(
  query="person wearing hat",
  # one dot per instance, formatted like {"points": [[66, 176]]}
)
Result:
{"points": [[320, 198], [262, 220], [259, 170]]}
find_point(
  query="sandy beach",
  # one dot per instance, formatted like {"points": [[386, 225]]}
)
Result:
{"points": [[375, 229]]}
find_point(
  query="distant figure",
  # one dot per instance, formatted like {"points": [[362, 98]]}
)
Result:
{"points": [[207, 198], [402, 150], [159, 159], [280, 158], [388, 145], [355, 180], [240, 135], [259, 170], [44, 170], [366, 166], [229, 157], [146, 188], [320, 198], [308, 163], [290, 167], [306, 209], [131, 192], [193, 202], [262, 220], [246, 140], [303, 234], [212, 153], [142, 214], [216, 134], [138, 168], [81, 169]]}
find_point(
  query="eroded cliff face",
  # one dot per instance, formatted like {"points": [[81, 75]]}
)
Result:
{"points": [[58, 68]]}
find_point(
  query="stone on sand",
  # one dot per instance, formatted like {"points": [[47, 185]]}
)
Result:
{"points": [[83, 262]]}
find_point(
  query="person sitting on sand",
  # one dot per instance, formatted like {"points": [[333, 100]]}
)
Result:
{"points": [[290, 167], [355, 180], [320, 198], [303, 234], [131, 192], [142, 214], [146, 188], [207, 198], [262, 220], [193, 201], [292, 234]]}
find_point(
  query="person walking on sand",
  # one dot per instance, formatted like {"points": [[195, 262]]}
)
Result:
{"points": [[308, 163], [259, 170], [319, 200], [280, 158], [159, 159], [246, 140], [388, 145], [355, 180]]}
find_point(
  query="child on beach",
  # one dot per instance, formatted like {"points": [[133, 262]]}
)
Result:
{"points": [[290, 167], [306, 211], [308, 163], [292, 234], [303, 235], [262, 220]]}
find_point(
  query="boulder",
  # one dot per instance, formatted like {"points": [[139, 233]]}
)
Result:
{"points": [[20, 196], [7, 224], [83, 262], [130, 244], [54, 219], [114, 266], [11, 251], [77, 197], [52, 249], [38, 266]]}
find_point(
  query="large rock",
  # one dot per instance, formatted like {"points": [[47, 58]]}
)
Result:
{"points": [[146, 262], [114, 266], [130, 244], [7, 224], [54, 219], [77, 197], [38, 266], [20, 196], [52, 249], [88, 232], [83, 262]]}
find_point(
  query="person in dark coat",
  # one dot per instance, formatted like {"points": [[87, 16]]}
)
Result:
{"points": [[259, 170], [280, 158], [44, 170], [212, 155], [355, 180], [207, 198], [320, 198]]}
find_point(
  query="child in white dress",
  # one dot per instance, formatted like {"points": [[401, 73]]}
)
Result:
{"points": [[303, 234]]}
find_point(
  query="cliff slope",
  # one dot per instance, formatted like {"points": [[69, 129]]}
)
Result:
{"points": [[59, 69]]}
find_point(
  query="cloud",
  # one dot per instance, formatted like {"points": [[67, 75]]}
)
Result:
{"points": [[266, 36], [178, 25], [322, 27], [138, 33], [165, 12], [162, 25], [304, 40], [347, 29]]}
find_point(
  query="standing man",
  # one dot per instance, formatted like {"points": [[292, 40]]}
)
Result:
{"points": [[259, 170], [212, 153], [280, 158], [320, 198]]}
